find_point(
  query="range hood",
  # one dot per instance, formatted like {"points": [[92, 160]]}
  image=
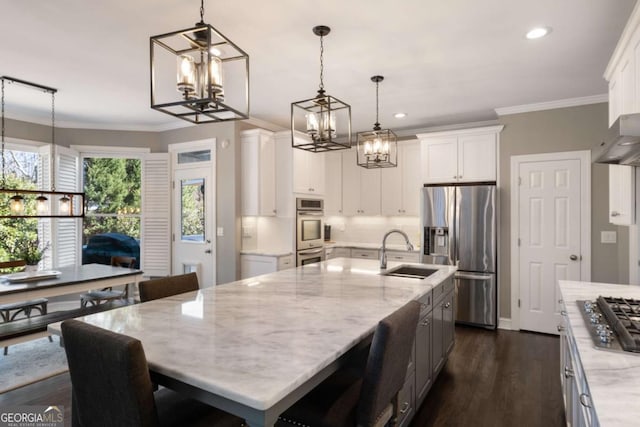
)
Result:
{"points": [[621, 146]]}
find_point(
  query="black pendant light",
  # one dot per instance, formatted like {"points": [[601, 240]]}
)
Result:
{"points": [[377, 148], [199, 75], [322, 123]]}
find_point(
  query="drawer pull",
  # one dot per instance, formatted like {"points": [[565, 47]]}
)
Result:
{"points": [[614, 213], [405, 407], [561, 328], [568, 372], [585, 400]]}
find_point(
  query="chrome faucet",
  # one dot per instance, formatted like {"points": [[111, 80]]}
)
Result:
{"points": [[383, 252]]}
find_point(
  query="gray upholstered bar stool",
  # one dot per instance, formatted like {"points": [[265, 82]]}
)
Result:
{"points": [[371, 400], [111, 385], [168, 286]]}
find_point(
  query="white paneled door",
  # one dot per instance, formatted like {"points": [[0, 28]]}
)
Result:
{"points": [[549, 206]]}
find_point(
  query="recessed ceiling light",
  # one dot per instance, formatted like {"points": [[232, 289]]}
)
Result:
{"points": [[538, 32], [400, 115]]}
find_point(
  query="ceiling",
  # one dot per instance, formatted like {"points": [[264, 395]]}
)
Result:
{"points": [[444, 62]]}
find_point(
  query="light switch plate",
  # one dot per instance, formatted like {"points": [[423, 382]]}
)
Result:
{"points": [[608, 237], [220, 232]]}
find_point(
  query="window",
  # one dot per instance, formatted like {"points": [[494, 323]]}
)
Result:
{"points": [[112, 224], [20, 171]]}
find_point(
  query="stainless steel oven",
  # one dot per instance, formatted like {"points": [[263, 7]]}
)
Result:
{"points": [[310, 256], [309, 224], [309, 231]]}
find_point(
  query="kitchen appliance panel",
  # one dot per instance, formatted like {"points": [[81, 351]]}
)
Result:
{"points": [[475, 299], [310, 257], [475, 228], [438, 209]]}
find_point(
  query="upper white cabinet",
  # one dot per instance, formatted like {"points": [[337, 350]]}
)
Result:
{"points": [[400, 186], [257, 148], [466, 155], [308, 172], [360, 187], [621, 195], [623, 71], [333, 197]]}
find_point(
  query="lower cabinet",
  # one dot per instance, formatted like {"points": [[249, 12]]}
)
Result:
{"points": [[364, 253], [434, 340], [255, 265], [579, 410], [337, 252]]}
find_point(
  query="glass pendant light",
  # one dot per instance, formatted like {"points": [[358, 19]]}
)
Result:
{"points": [[16, 205], [377, 148], [42, 207]]}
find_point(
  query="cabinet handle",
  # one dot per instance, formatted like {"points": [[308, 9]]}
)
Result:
{"points": [[310, 189], [563, 313], [614, 213], [568, 372], [455, 177], [561, 328], [447, 305], [426, 322], [405, 407], [585, 400]]}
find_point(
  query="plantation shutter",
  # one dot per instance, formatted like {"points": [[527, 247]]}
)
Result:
{"points": [[67, 231], [155, 229]]}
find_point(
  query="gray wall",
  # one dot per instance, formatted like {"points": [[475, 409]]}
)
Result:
{"points": [[227, 170], [566, 129]]}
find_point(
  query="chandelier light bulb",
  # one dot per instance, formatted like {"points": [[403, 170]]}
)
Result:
{"points": [[64, 205], [186, 75], [16, 205], [41, 205]]}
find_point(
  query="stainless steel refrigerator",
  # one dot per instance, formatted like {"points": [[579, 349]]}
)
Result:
{"points": [[459, 228]]}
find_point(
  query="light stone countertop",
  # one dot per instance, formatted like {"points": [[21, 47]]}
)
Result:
{"points": [[257, 340], [613, 377]]}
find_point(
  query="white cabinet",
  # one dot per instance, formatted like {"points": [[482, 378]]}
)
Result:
{"points": [[400, 186], [467, 155], [337, 252], [255, 265], [621, 195], [360, 187], [308, 172], [257, 153], [333, 186], [364, 253], [623, 71]]}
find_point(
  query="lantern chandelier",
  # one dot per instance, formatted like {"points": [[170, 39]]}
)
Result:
{"points": [[199, 75], [322, 123], [377, 148], [26, 203]]}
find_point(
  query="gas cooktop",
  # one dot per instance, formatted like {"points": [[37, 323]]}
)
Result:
{"points": [[614, 323]]}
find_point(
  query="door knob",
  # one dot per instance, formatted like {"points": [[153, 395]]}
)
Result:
{"points": [[207, 251], [573, 257]]}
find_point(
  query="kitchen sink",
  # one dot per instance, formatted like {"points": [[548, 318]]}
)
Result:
{"points": [[410, 271]]}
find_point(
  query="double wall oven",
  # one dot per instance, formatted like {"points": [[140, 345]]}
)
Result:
{"points": [[309, 231]]}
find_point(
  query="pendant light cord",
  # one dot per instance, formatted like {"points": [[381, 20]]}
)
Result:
{"points": [[377, 125], [202, 11], [321, 64], [53, 141]]}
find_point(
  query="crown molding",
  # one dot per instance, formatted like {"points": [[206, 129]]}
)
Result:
{"points": [[551, 105]]}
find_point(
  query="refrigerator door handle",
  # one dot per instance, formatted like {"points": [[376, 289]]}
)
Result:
{"points": [[472, 276]]}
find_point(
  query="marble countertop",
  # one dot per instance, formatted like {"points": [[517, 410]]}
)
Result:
{"points": [[613, 377], [257, 340], [378, 246]]}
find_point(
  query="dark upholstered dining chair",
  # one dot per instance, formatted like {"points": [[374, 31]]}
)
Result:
{"points": [[168, 286], [108, 294], [372, 399], [111, 385]]}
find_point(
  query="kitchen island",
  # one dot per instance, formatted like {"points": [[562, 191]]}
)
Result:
{"points": [[255, 346], [600, 386]]}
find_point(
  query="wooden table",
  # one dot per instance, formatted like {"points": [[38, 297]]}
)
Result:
{"points": [[74, 279], [255, 346]]}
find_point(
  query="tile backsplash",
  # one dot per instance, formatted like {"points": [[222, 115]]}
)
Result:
{"points": [[372, 229]]}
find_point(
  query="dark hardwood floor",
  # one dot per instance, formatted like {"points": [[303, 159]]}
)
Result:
{"points": [[497, 378], [492, 378]]}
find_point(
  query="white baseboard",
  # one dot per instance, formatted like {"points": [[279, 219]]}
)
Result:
{"points": [[504, 323]]}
